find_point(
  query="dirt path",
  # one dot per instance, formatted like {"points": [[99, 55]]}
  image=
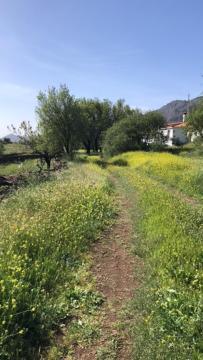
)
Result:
{"points": [[113, 268]]}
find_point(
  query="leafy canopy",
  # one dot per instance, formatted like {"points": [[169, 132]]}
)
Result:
{"points": [[133, 133], [195, 120]]}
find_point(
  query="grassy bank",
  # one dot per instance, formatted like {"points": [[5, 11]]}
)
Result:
{"points": [[169, 234], [46, 231]]}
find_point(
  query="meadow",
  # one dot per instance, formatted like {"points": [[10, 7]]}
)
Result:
{"points": [[46, 230], [169, 234], [181, 173]]}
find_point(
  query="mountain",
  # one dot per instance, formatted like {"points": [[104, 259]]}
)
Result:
{"points": [[14, 138], [174, 110]]}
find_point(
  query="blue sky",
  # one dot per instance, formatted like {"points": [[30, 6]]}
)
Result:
{"points": [[146, 51]]}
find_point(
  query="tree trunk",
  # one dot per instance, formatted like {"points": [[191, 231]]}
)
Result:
{"points": [[47, 159], [87, 146]]}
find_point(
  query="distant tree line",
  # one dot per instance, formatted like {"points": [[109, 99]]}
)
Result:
{"points": [[66, 123]]}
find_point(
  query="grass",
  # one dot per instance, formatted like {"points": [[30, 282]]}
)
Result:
{"points": [[46, 231], [169, 234], [181, 173], [18, 168], [46, 287], [16, 148]]}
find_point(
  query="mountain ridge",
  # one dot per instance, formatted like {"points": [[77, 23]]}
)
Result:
{"points": [[173, 111]]}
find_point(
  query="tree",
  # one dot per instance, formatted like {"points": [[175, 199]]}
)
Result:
{"points": [[96, 117], [59, 119], [195, 120], [38, 142], [152, 122], [123, 136], [120, 110], [133, 133], [7, 140]]}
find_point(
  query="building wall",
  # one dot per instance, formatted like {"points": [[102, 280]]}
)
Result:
{"points": [[175, 133]]}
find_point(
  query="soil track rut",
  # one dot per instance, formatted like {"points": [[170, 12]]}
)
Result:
{"points": [[113, 267]]}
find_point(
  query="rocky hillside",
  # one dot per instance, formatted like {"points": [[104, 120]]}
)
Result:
{"points": [[174, 110]]}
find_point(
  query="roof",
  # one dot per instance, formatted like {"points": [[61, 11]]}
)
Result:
{"points": [[179, 124]]}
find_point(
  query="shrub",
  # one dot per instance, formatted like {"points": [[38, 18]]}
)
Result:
{"points": [[132, 133], [120, 162]]}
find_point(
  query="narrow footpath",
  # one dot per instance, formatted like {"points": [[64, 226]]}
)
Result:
{"points": [[114, 270]]}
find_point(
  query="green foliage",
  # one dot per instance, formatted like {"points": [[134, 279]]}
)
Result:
{"points": [[119, 162], [96, 117], [170, 231], [133, 133], [45, 232], [18, 168], [1, 147], [59, 120], [120, 110], [123, 136], [195, 120]]}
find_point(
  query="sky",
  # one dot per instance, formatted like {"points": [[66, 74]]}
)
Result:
{"points": [[148, 52]]}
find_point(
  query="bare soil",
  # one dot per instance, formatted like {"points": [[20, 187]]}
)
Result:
{"points": [[113, 268]]}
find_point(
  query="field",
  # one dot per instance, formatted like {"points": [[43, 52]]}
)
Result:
{"points": [[46, 275], [45, 233], [16, 148], [170, 232]]}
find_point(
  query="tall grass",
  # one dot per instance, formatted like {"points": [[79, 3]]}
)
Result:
{"points": [[170, 230], [44, 231]]}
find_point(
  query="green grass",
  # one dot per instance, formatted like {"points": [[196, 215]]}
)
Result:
{"points": [[18, 168], [183, 174], [168, 235], [46, 231], [16, 148]]}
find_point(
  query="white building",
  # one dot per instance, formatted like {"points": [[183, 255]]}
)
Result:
{"points": [[176, 133]]}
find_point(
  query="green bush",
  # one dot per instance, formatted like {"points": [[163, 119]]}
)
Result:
{"points": [[120, 162], [133, 133]]}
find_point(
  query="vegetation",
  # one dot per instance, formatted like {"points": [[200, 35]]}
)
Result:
{"points": [[170, 239], [18, 168], [42, 249], [16, 148], [59, 120], [1, 147], [195, 120], [178, 172], [133, 133], [7, 140], [47, 229]]}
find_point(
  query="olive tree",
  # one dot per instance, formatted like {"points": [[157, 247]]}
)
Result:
{"points": [[59, 119]]}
